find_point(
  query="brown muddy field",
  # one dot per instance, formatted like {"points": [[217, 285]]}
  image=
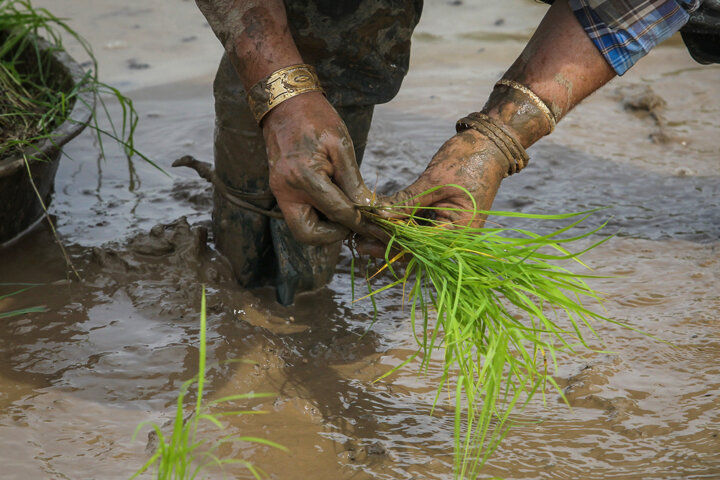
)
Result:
{"points": [[113, 350]]}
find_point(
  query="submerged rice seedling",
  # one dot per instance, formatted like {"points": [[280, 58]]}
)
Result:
{"points": [[504, 308], [17, 289], [183, 455]]}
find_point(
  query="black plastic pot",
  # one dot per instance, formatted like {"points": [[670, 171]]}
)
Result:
{"points": [[20, 207]]}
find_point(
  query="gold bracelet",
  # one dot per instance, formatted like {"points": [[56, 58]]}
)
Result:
{"points": [[535, 99], [279, 86]]}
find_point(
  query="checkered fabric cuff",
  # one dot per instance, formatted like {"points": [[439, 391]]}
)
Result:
{"points": [[624, 31]]}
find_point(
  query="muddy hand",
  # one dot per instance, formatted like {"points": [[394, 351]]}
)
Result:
{"points": [[313, 172], [469, 160]]}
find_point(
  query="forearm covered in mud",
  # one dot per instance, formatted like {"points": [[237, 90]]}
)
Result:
{"points": [[255, 34], [560, 64]]}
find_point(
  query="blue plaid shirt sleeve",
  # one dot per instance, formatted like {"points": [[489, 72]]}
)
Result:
{"points": [[626, 30]]}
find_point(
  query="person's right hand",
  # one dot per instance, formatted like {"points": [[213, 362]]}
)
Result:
{"points": [[468, 159], [313, 172]]}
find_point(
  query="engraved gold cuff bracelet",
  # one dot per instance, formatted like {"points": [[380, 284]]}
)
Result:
{"points": [[279, 86]]}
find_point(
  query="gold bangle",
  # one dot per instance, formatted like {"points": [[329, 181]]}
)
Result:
{"points": [[279, 86], [535, 99]]}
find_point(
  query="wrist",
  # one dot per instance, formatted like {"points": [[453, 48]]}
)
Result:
{"points": [[280, 86], [496, 165], [292, 110], [495, 132], [521, 112], [254, 67]]}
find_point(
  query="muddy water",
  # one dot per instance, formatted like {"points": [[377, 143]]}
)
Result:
{"points": [[112, 350]]}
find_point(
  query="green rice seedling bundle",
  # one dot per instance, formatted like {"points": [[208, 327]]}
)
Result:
{"points": [[34, 98], [183, 454], [504, 306]]}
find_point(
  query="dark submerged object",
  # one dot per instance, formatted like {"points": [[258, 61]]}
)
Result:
{"points": [[20, 208]]}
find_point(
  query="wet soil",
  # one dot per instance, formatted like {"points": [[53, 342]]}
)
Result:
{"points": [[113, 349]]}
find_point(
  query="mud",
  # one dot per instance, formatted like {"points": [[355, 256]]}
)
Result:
{"points": [[113, 349], [642, 101]]}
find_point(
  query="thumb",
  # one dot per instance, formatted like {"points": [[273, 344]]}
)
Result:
{"points": [[400, 204], [347, 174]]}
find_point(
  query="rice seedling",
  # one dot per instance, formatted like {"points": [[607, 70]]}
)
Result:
{"points": [[17, 289], [182, 454], [38, 96], [35, 99], [504, 307]]}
